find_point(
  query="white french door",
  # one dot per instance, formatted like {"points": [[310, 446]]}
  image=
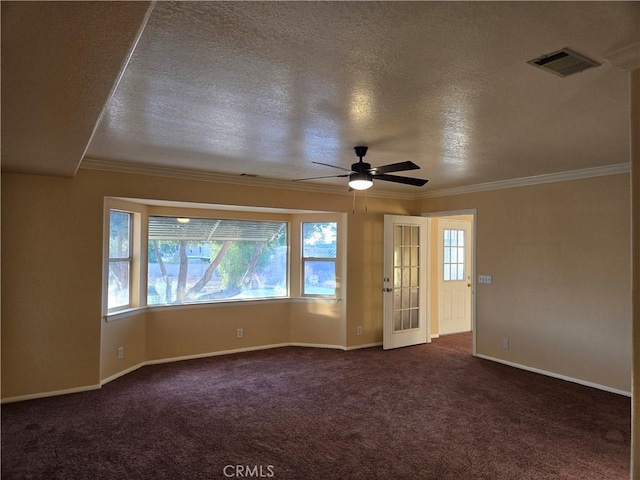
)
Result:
{"points": [[405, 281]]}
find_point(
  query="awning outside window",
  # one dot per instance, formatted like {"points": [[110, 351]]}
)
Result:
{"points": [[209, 229]]}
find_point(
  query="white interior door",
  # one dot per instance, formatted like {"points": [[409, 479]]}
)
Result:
{"points": [[454, 276], [405, 281]]}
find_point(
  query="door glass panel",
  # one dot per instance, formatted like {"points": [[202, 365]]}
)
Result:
{"points": [[414, 318], [406, 256], [414, 297], [397, 321], [406, 277], [453, 255]]}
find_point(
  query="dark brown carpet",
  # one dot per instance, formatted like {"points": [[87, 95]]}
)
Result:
{"points": [[425, 412]]}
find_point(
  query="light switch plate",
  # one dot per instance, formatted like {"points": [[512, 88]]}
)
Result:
{"points": [[485, 279]]}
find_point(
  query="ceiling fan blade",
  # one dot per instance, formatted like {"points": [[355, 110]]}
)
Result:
{"points": [[334, 166], [418, 182], [315, 178], [394, 167]]}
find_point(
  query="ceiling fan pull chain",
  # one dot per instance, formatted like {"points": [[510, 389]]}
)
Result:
{"points": [[354, 203]]}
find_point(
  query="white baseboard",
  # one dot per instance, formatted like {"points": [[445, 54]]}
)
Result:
{"points": [[55, 393], [556, 375], [435, 335], [34, 396], [366, 345], [316, 345], [122, 373], [215, 354]]}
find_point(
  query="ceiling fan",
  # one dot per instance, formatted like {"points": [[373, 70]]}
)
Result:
{"points": [[361, 174]]}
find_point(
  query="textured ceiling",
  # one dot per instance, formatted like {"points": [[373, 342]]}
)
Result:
{"points": [[266, 88]]}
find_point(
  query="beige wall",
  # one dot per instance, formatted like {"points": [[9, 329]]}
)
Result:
{"points": [[558, 253], [560, 261], [53, 336]]}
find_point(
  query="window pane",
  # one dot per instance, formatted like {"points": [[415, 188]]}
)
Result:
{"points": [[319, 277], [447, 238], [414, 297], [405, 298], [406, 325], [397, 320], [454, 237], [446, 273], [119, 234], [406, 256], [414, 277], [461, 271], [205, 259], [406, 235], [118, 284], [406, 279], [414, 318], [319, 240], [461, 238]]}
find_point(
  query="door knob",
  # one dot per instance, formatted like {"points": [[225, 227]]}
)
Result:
{"points": [[388, 289]]}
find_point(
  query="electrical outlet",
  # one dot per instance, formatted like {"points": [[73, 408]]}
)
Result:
{"points": [[240, 333], [505, 343], [359, 330], [120, 352]]}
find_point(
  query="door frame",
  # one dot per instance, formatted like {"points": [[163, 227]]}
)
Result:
{"points": [[474, 226]]}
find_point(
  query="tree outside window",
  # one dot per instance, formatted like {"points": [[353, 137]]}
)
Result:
{"points": [[204, 260]]}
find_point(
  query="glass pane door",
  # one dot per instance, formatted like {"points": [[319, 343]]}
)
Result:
{"points": [[406, 277]]}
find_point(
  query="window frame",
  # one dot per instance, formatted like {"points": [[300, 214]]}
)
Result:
{"points": [[304, 259], [128, 260], [457, 249], [141, 209], [200, 217]]}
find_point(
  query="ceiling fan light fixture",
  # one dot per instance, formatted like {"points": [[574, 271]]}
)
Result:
{"points": [[360, 181]]}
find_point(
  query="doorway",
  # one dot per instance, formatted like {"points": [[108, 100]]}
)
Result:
{"points": [[451, 270]]}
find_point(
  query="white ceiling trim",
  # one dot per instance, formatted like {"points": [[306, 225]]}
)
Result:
{"points": [[169, 172], [179, 173], [627, 58], [533, 180]]}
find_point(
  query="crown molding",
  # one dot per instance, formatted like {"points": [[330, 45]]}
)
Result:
{"points": [[626, 58], [202, 176], [533, 180], [179, 173]]}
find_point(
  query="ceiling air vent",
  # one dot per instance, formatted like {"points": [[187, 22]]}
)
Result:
{"points": [[564, 62]]}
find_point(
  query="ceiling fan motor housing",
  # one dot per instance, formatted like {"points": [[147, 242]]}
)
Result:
{"points": [[360, 166], [361, 151]]}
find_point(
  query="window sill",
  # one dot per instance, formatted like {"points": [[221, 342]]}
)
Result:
{"points": [[120, 314], [130, 312]]}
